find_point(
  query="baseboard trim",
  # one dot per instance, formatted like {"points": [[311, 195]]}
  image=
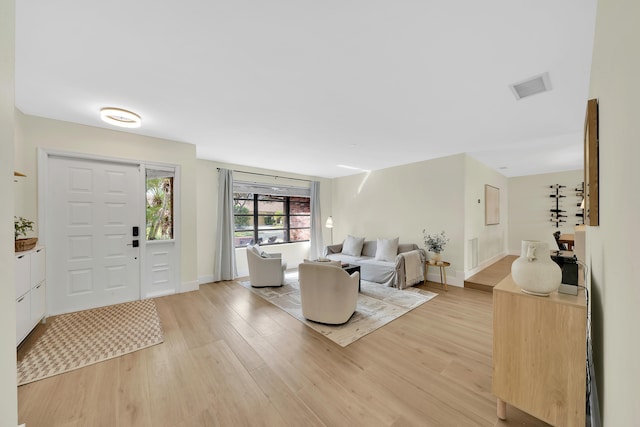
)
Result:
{"points": [[452, 280], [189, 286], [202, 280], [161, 293]]}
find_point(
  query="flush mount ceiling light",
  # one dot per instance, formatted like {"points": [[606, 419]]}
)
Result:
{"points": [[531, 86], [120, 117]]}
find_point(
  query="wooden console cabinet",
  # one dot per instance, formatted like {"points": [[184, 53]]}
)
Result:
{"points": [[539, 354], [30, 291]]}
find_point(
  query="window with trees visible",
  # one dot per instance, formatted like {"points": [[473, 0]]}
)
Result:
{"points": [[268, 219], [159, 206]]}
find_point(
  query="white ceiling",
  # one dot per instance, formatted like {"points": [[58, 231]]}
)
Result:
{"points": [[305, 86]]}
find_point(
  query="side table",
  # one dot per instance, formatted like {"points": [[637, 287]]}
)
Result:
{"points": [[443, 273]]}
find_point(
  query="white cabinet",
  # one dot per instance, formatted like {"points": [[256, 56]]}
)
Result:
{"points": [[38, 303], [37, 266], [23, 273], [30, 291], [23, 316]]}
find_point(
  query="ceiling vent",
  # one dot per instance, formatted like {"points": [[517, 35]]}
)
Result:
{"points": [[531, 86]]}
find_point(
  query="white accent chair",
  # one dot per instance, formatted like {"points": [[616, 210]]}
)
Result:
{"points": [[265, 269], [328, 293]]}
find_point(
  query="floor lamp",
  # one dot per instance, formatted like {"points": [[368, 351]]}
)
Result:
{"points": [[329, 224]]}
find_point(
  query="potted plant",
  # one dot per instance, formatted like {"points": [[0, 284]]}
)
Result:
{"points": [[22, 226], [435, 243]]}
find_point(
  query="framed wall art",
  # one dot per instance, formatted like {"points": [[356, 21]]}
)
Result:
{"points": [[591, 185], [491, 205]]}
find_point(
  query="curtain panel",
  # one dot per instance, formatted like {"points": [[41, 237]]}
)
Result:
{"points": [[316, 243], [225, 257]]}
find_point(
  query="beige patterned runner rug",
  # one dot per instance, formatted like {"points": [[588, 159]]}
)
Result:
{"points": [[78, 339], [377, 306]]}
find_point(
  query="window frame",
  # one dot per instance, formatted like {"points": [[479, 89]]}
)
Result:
{"points": [[161, 173], [255, 215]]}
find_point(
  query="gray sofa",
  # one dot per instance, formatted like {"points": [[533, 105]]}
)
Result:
{"points": [[388, 273]]}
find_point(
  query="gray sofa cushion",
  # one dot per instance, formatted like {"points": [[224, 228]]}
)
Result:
{"points": [[352, 245], [387, 249], [369, 248]]}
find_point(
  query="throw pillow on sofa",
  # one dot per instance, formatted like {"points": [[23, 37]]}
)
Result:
{"points": [[387, 249], [352, 245]]}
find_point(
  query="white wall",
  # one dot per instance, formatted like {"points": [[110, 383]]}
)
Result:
{"points": [[8, 393], [402, 201], [436, 195], [612, 248], [207, 202], [206, 217], [37, 132], [491, 238], [530, 204]]}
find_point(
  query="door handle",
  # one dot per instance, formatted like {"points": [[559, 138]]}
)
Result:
{"points": [[134, 243]]}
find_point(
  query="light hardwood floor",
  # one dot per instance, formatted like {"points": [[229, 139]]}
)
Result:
{"points": [[486, 279], [232, 359]]}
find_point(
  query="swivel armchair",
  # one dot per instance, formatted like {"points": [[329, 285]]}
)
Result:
{"points": [[265, 269], [328, 293]]}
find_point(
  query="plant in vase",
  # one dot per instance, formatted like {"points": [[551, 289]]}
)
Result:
{"points": [[21, 226], [435, 243]]}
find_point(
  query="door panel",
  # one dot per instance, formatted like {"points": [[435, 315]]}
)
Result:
{"points": [[161, 270], [92, 207], [161, 245]]}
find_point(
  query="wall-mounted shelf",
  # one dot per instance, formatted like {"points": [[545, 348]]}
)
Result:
{"points": [[561, 208], [558, 216], [580, 195]]}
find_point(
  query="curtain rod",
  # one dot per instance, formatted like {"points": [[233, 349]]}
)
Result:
{"points": [[272, 176]]}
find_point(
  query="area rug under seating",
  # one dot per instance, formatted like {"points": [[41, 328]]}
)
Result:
{"points": [[377, 306], [74, 340]]}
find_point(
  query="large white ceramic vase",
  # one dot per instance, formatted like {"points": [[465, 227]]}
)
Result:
{"points": [[535, 272]]}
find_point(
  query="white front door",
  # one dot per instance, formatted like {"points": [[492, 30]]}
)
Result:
{"points": [[92, 207]]}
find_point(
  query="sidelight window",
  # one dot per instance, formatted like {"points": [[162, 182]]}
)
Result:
{"points": [[159, 204]]}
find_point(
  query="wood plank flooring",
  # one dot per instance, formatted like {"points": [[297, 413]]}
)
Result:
{"points": [[486, 279], [232, 359]]}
